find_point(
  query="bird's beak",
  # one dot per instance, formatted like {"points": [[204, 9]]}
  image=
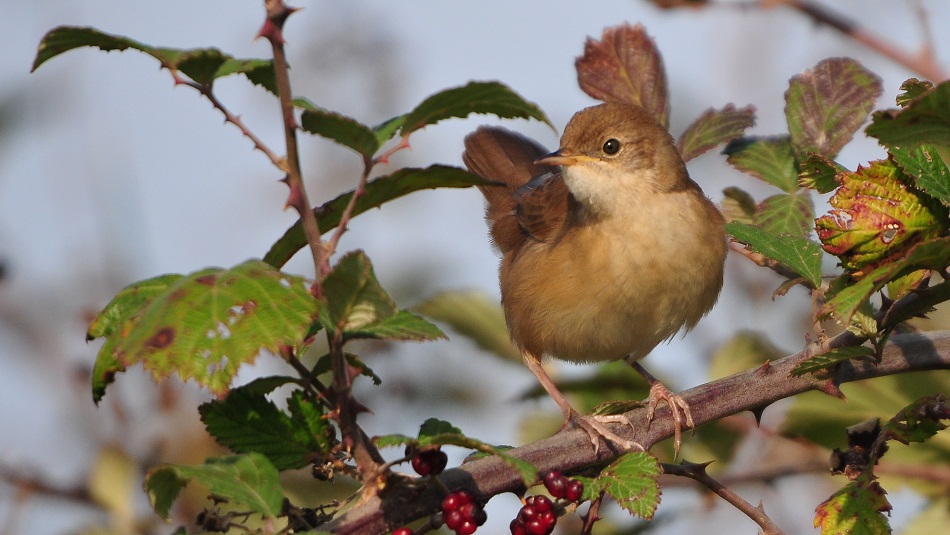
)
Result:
{"points": [[563, 157]]}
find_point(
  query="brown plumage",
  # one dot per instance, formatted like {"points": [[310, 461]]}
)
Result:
{"points": [[608, 247]]}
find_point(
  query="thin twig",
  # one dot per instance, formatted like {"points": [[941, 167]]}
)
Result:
{"points": [[208, 92], [922, 63], [698, 473]]}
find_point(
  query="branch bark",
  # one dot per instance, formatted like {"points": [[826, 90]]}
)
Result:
{"points": [[571, 450]]}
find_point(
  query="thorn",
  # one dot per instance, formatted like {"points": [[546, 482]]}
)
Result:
{"points": [[765, 368], [757, 412], [828, 387]]}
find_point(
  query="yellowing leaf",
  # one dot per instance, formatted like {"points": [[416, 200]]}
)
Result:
{"points": [[854, 510]]}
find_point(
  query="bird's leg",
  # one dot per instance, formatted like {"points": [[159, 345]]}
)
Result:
{"points": [[596, 430], [678, 406]]}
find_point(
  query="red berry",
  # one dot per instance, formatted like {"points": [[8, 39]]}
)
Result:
{"points": [[431, 461], [536, 527], [548, 518], [540, 502], [517, 527], [402, 531], [467, 528], [453, 519], [455, 500], [575, 490], [527, 513]]}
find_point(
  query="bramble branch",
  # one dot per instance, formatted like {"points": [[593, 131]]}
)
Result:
{"points": [[571, 450]]}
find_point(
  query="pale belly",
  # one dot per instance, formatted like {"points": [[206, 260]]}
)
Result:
{"points": [[621, 296]]}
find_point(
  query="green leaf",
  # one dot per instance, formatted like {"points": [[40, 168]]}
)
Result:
{"points": [[354, 297], [737, 205], [378, 191], [925, 120], [875, 216], [433, 427], [625, 66], [828, 360], [247, 481], [819, 173], [826, 105], [927, 168], [203, 65], [933, 254], [387, 129], [769, 159], [792, 214], [209, 323], [800, 254], [338, 128], [403, 326], [912, 89], [473, 315], [475, 97], [712, 128], [854, 510], [127, 303], [247, 422], [631, 480]]}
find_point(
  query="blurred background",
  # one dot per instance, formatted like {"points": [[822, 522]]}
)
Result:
{"points": [[109, 174]]}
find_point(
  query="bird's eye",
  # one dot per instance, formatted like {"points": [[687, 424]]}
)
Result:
{"points": [[611, 146]]}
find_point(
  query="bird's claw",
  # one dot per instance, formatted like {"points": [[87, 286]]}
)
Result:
{"points": [[679, 410]]}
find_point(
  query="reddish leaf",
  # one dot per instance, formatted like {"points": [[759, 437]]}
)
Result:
{"points": [[876, 216], [625, 66], [714, 127]]}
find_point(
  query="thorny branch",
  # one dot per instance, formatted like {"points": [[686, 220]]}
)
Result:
{"points": [[571, 450]]}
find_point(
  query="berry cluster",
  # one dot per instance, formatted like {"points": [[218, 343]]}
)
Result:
{"points": [[538, 516], [461, 513], [430, 461]]}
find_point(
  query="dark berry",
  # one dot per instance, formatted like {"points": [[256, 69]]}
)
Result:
{"points": [[536, 527], [402, 531], [540, 502], [479, 517], [517, 527], [575, 489], [428, 462], [453, 519]]}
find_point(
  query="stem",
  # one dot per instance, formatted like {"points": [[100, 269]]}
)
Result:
{"points": [[922, 63], [272, 30], [698, 473]]}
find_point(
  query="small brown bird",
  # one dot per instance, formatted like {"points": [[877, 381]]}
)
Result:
{"points": [[608, 247]]}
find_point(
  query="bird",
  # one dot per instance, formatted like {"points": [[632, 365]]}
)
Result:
{"points": [[608, 247]]}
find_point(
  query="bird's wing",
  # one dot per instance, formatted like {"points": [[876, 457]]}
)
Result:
{"points": [[530, 201]]}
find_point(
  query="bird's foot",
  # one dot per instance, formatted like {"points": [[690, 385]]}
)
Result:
{"points": [[600, 434], [678, 408]]}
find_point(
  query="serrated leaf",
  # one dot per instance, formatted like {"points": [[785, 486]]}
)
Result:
{"points": [[209, 323], [127, 303], [434, 426], [247, 481], [933, 254], [474, 316], [800, 254], [925, 120], [825, 106], [911, 90], [246, 422], [475, 97], [829, 359], [712, 128], [854, 510], [403, 326], [769, 159], [378, 191], [792, 214], [875, 216], [927, 168], [203, 65], [387, 129], [631, 480], [819, 173], [625, 66], [338, 128]]}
